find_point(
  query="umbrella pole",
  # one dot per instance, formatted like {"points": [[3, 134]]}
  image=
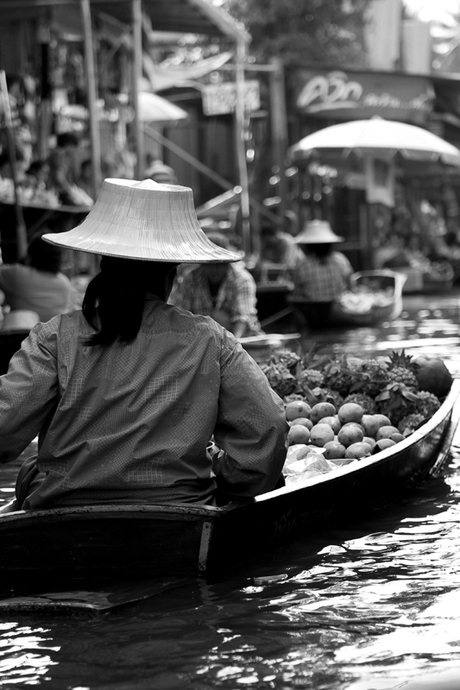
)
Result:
{"points": [[372, 232], [21, 232]]}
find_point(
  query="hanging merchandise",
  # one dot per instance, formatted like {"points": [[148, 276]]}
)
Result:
{"points": [[380, 181]]}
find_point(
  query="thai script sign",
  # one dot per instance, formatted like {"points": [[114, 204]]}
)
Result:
{"points": [[220, 99], [360, 95]]}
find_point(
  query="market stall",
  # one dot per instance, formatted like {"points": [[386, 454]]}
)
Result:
{"points": [[379, 162], [129, 20]]}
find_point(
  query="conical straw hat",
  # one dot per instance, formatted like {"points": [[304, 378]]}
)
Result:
{"points": [[317, 232], [143, 220]]}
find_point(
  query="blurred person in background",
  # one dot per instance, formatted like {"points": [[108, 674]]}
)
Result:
{"points": [[226, 292], [61, 166], [278, 247], [324, 273], [161, 173], [38, 285]]}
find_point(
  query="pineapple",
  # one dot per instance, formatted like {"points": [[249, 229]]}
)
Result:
{"points": [[279, 378], [374, 377], [401, 370], [289, 359], [293, 397], [323, 394], [427, 403], [339, 377], [311, 378], [367, 403], [409, 424]]}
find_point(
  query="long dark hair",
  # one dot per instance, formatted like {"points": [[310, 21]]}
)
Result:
{"points": [[322, 250], [114, 300]]}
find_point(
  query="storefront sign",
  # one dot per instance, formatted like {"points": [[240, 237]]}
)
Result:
{"points": [[360, 95], [220, 99]]}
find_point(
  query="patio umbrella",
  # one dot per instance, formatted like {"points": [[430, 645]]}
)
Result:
{"points": [[376, 138], [154, 108]]}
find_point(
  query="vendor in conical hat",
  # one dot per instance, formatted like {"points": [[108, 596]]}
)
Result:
{"points": [[126, 394], [324, 272]]}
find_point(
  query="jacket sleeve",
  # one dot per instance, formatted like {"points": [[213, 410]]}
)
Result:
{"points": [[28, 393], [251, 428]]}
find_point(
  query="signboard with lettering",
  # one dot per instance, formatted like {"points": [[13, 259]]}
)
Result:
{"points": [[360, 95], [220, 99]]}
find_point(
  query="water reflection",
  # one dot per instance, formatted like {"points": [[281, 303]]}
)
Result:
{"points": [[24, 654]]}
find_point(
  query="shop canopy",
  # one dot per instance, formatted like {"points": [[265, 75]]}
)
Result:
{"points": [[378, 138]]}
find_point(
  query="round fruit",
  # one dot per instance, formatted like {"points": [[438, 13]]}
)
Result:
{"points": [[350, 412], [397, 437], [432, 375], [358, 450], [370, 424], [298, 434], [297, 408], [382, 444], [356, 424], [320, 410], [370, 441], [334, 450], [382, 420], [304, 421], [350, 434], [386, 431], [333, 422], [321, 434]]}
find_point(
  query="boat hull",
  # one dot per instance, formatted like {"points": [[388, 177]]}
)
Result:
{"points": [[91, 544]]}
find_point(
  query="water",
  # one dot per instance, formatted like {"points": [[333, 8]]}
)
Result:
{"points": [[370, 606]]}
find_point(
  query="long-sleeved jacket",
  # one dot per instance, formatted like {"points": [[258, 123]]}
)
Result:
{"points": [[131, 422]]}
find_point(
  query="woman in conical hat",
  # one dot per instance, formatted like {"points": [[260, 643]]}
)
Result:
{"points": [[322, 275], [126, 394]]}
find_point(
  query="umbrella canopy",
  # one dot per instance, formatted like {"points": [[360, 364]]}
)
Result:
{"points": [[154, 108], [378, 138]]}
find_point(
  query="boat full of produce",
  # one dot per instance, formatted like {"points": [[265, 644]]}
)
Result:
{"points": [[363, 433], [373, 297]]}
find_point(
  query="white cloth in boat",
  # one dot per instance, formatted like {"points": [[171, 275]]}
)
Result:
{"points": [[131, 422]]}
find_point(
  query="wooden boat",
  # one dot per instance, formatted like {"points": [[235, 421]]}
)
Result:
{"points": [[375, 296], [88, 544]]}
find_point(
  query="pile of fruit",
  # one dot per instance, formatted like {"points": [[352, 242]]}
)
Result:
{"points": [[347, 408], [363, 299]]}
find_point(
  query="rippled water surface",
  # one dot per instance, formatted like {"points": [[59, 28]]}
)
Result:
{"points": [[370, 606]]}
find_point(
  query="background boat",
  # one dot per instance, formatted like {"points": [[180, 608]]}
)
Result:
{"points": [[374, 296]]}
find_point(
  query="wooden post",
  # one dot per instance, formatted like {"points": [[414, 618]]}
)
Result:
{"points": [[92, 97], [21, 232], [137, 76], [45, 114], [241, 145], [279, 127]]}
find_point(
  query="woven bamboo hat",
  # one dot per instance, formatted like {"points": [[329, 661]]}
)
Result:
{"points": [[317, 232], [143, 220]]}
